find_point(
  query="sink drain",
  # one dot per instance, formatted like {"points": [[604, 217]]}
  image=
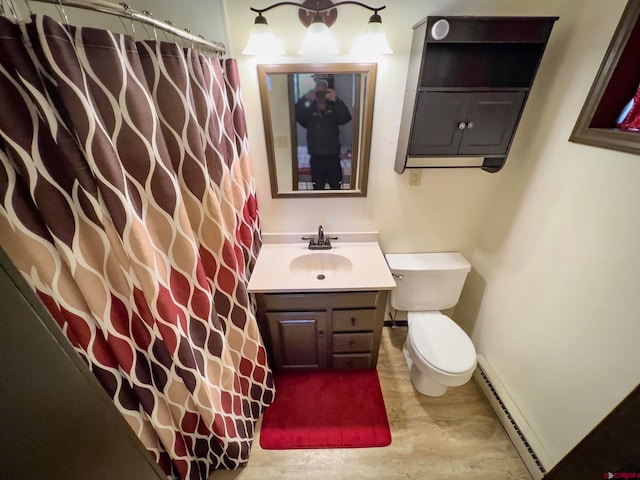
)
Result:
{"points": [[320, 276]]}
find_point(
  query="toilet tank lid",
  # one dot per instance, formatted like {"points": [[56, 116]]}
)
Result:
{"points": [[438, 261]]}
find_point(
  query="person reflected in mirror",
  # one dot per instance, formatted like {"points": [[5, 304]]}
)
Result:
{"points": [[321, 112]]}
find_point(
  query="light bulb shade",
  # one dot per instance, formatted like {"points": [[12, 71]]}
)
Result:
{"points": [[262, 41], [374, 39], [318, 41]]}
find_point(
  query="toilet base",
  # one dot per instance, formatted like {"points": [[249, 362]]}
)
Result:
{"points": [[422, 383]]}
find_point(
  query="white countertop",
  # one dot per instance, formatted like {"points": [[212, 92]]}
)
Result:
{"points": [[272, 271]]}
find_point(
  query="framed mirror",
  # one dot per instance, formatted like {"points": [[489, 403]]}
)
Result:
{"points": [[317, 121]]}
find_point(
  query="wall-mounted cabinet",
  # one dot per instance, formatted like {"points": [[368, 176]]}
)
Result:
{"points": [[468, 82], [615, 85], [491, 119]]}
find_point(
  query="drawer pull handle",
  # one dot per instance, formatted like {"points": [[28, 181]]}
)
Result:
{"points": [[353, 321], [352, 343]]}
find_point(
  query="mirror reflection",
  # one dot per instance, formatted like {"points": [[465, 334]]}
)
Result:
{"points": [[317, 121]]}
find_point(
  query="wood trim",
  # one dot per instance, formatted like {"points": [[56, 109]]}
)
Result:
{"points": [[584, 130]]}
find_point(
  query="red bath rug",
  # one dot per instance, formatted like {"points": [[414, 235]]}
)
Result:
{"points": [[326, 409]]}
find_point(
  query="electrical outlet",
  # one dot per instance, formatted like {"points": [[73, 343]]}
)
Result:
{"points": [[415, 177], [282, 141]]}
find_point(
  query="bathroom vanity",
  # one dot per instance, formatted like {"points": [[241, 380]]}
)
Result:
{"points": [[318, 331], [321, 310]]}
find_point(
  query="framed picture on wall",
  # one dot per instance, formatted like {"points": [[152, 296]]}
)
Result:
{"points": [[610, 117]]}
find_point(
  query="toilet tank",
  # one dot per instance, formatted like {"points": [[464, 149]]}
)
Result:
{"points": [[429, 281]]}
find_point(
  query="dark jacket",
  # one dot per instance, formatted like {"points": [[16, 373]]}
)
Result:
{"points": [[323, 135]]}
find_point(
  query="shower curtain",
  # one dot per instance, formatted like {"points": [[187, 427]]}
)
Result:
{"points": [[128, 203]]}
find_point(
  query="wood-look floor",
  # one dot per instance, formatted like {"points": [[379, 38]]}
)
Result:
{"points": [[452, 437]]}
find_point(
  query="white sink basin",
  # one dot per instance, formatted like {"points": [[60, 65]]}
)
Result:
{"points": [[292, 267], [321, 264]]}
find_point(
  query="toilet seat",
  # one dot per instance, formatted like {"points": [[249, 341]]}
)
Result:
{"points": [[439, 342]]}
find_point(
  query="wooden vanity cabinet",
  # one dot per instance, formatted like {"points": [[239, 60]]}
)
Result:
{"points": [[319, 331]]}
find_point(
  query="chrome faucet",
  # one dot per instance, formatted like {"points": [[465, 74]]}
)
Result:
{"points": [[321, 242]]}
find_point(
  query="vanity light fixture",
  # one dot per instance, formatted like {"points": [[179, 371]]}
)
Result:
{"points": [[317, 16], [318, 39], [374, 40], [262, 41]]}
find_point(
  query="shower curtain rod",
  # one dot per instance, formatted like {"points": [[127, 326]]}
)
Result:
{"points": [[124, 10]]}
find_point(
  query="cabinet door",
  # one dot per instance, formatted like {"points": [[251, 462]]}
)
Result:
{"points": [[299, 339], [436, 120], [490, 122]]}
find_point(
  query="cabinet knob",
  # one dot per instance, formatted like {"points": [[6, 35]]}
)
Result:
{"points": [[353, 321], [321, 333], [462, 126], [470, 125], [352, 343]]}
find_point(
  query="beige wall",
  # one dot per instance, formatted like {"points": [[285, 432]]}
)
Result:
{"points": [[553, 297], [552, 301], [445, 212]]}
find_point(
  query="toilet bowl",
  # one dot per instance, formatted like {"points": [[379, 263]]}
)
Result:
{"points": [[439, 354]]}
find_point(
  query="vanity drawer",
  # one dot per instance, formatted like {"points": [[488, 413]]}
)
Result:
{"points": [[351, 361], [352, 342], [354, 320], [317, 301]]}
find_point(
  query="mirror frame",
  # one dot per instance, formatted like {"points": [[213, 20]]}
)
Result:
{"points": [[364, 145]]}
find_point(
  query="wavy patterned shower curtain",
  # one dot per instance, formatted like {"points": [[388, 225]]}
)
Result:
{"points": [[128, 203]]}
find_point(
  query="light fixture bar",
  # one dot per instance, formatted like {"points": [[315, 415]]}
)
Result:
{"points": [[318, 9], [317, 41]]}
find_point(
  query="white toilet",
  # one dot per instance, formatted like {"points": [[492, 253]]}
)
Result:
{"points": [[438, 352]]}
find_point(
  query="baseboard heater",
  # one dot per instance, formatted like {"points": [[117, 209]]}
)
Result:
{"points": [[524, 440]]}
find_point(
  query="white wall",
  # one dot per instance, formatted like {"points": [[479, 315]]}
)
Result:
{"points": [[552, 299]]}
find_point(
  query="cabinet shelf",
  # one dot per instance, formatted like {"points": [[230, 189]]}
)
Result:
{"points": [[480, 65]]}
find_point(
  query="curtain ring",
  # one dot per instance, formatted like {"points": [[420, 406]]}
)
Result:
{"points": [[172, 25], [128, 10], [164, 32], [147, 13], [189, 32], [62, 13], [12, 9], [29, 7]]}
